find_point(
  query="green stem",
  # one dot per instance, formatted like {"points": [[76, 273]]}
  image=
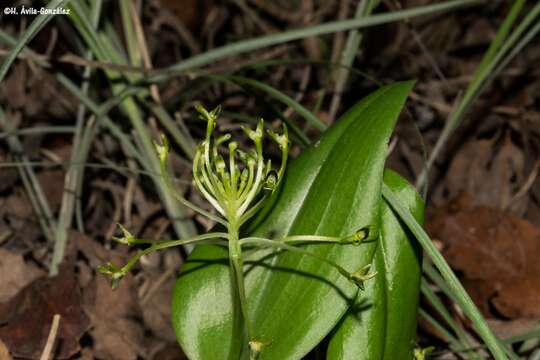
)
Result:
{"points": [[162, 244], [355, 238], [118, 273], [262, 242], [241, 321], [210, 238], [319, 239]]}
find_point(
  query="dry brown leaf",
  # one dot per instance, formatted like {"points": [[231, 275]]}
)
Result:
{"points": [[115, 332], [157, 308], [117, 341], [170, 352], [15, 274], [8, 176], [497, 254], [52, 183], [36, 93], [116, 335], [17, 212], [506, 329], [15, 206], [4, 352], [30, 315], [191, 13], [492, 173]]}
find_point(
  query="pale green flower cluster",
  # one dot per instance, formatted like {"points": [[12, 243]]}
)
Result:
{"points": [[236, 186]]}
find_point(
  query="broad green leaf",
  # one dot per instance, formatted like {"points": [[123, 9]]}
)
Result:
{"points": [[333, 188], [387, 329]]}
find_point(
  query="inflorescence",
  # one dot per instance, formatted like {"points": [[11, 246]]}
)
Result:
{"points": [[236, 185]]}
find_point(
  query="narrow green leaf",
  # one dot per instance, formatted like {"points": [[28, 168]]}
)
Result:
{"points": [[246, 84], [464, 300], [275, 93], [245, 46], [489, 67], [73, 180], [106, 48], [37, 24], [340, 75], [294, 301]]}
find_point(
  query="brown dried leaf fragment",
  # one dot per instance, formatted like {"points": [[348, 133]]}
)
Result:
{"points": [[15, 274], [497, 253], [30, 313]]}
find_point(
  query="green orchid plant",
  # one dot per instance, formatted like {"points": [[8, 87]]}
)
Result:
{"points": [[237, 186], [283, 275]]}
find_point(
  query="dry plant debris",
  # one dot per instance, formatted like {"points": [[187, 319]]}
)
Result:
{"points": [[497, 252], [27, 317]]}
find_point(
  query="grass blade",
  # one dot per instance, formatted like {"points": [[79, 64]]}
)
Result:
{"points": [[464, 300], [31, 184], [39, 22], [74, 174], [464, 341], [186, 143], [106, 48], [364, 8], [244, 46], [498, 48], [55, 129], [278, 95]]}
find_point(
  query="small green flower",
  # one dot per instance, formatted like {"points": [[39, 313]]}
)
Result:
{"points": [[361, 276], [421, 354], [126, 239], [114, 272], [162, 149]]}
